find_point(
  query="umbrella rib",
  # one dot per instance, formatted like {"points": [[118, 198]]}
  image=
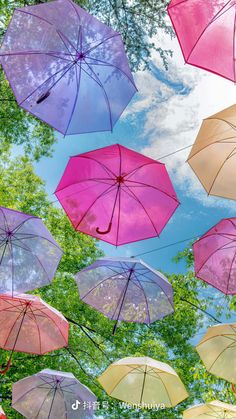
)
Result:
{"points": [[233, 259], [98, 81], [221, 167], [109, 171], [220, 354], [5, 218], [76, 96], [158, 286], [47, 316], [34, 236], [49, 23], [148, 312], [142, 206], [43, 403], [67, 67], [106, 64], [94, 202], [132, 370], [207, 26], [216, 250], [154, 187], [53, 398], [37, 258], [97, 285], [39, 333], [132, 172], [234, 32], [143, 385], [102, 41]]}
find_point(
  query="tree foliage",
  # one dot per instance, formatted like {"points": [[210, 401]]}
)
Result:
{"points": [[138, 23]]}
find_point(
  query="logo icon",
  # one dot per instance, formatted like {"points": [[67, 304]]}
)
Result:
{"points": [[75, 406]]}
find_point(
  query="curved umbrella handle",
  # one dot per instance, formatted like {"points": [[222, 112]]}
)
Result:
{"points": [[43, 97], [104, 232], [4, 370]]}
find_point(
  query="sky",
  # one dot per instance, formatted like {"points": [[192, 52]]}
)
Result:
{"points": [[164, 116]]}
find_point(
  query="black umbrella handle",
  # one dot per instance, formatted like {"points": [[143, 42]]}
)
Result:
{"points": [[105, 231], [4, 370]]}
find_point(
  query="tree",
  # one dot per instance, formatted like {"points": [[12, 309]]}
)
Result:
{"points": [[138, 23]]}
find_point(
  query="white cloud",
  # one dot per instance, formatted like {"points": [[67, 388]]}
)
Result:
{"points": [[172, 119]]}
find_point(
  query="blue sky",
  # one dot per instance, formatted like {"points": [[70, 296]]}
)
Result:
{"points": [[164, 116]]}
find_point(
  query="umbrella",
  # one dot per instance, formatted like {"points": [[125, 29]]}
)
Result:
{"points": [[53, 395], [215, 256], [213, 157], [143, 381], [71, 73], [2, 414], [217, 350], [206, 33], [126, 289], [31, 326], [29, 255], [215, 409], [117, 195]]}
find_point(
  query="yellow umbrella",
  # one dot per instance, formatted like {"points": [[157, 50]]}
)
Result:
{"points": [[217, 350], [213, 155], [143, 381], [211, 410]]}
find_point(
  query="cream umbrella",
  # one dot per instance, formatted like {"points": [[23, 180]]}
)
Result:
{"points": [[217, 350], [213, 155], [215, 409], [143, 381]]}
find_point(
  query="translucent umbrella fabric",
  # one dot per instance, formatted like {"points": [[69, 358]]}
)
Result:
{"points": [[211, 410], [126, 289], [212, 157], [215, 256], [29, 255], [51, 394], [71, 73], [206, 33], [31, 325], [217, 350], [142, 380], [117, 195]]}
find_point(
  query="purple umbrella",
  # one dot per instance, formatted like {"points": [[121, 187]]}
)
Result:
{"points": [[126, 289], [29, 255], [53, 395], [66, 67]]}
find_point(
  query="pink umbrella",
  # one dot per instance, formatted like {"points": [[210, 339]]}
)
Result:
{"points": [[31, 326], [215, 256], [2, 414], [206, 33], [117, 195]]}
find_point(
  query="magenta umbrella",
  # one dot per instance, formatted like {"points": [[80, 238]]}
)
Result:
{"points": [[66, 67], [206, 33], [117, 195], [126, 289], [215, 256]]}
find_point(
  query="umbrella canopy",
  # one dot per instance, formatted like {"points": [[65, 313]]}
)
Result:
{"points": [[213, 157], [215, 409], [206, 33], [117, 195], [143, 381], [29, 255], [2, 414], [31, 325], [126, 289], [215, 256], [71, 73], [217, 350], [53, 395]]}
